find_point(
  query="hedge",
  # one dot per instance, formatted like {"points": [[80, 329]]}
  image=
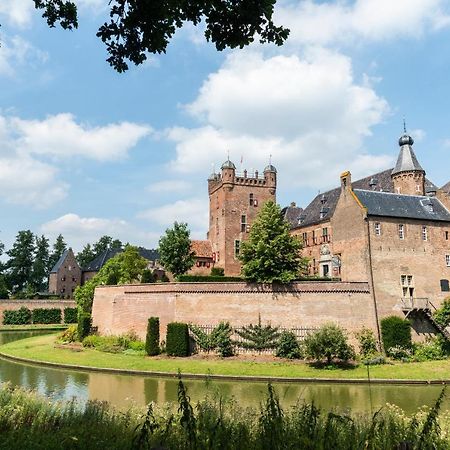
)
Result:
{"points": [[70, 315], [84, 325], [395, 331], [206, 278], [46, 315], [152, 338], [177, 339], [20, 316]]}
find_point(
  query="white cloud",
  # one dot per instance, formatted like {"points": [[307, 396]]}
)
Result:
{"points": [[17, 52], [62, 136], [310, 114], [78, 231], [327, 23], [194, 211]]}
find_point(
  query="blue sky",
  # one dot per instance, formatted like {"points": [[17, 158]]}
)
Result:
{"points": [[85, 151]]}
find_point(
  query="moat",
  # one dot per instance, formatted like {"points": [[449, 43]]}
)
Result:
{"points": [[126, 390]]}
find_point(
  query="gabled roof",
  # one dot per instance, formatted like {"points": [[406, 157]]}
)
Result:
{"points": [[60, 261], [388, 204], [292, 213], [446, 188], [99, 261], [202, 249]]}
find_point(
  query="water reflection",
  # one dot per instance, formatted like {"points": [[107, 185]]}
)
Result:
{"points": [[125, 390]]}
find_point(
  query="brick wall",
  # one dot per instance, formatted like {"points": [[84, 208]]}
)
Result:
{"points": [[34, 304], [118, 309]]}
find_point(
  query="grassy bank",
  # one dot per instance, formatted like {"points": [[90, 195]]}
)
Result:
{"points": [[33, 327], [42, 348], [30, 422]]}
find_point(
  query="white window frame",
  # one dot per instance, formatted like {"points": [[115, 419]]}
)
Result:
{"points": [[424, 233], [447, 260], [243, 223], [401, 231], [237, 248], [377, 228]]}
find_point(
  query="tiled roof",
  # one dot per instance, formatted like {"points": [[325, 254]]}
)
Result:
{"points": [[60, 261], [99, 261], [446, 188], [387, 204], [291, 214], [202, 249], [407, 161]]}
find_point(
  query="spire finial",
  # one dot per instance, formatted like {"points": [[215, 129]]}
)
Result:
{"points": [[270, 159], [228, 154], [404, 124]]}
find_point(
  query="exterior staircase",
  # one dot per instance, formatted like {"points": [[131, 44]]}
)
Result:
{"points": [[423, 306]]}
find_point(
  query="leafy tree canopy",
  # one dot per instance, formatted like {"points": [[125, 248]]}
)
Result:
{"points": [[136, 28], [41, 264], [175, 252], [59, 247], [271, 254], [85, 256]]}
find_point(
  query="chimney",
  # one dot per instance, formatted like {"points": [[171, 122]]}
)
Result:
{"points": [[346, 180]]}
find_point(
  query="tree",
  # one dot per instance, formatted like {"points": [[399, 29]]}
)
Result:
{"points": [[137, 28], [271, 254], [41, 267], [3, 284], [175, 252], [20, 263], [259, 337], [328, 342], [59, 247], [85, 256]]}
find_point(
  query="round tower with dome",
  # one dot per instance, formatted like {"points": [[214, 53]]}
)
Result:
{"points": [[234, 202]]}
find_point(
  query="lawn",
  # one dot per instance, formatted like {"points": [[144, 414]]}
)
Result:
{"points": [[34, 327], [42, 348]]}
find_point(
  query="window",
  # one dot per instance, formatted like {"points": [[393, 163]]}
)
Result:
{"points": [[305, 238], [418, 188], [217, 225], [446, 235], [445, 287], [407, 285], [243, 223], [237, 247], [401, 231], [251, 199], [377, 228], [424, 233], [326, 270], [447, 260], [314, 237]]}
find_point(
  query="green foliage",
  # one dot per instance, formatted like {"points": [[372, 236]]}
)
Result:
{"points": [[152, 338], [328, 342], [59, 247], [46, 315], [85, 256], [84, 295], [84, 324], [207, 278], [271, 253], [221, 339], [399, 352], [69, 335], [147, 276], [433, 349], [177, 339], [395, 331], [367, 342], [175, 249], [288, 346], [442, 314], [259, 337], [203, 340], [4, 292], [21, 316], [41, 265], [217, 272], [70, 315], [127, 343]]}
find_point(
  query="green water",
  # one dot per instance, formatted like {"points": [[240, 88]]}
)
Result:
{"points": [[125, 390]]}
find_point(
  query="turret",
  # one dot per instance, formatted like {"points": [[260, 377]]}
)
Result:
{"points": [[228, 171], [270, 176], [408, 175]]}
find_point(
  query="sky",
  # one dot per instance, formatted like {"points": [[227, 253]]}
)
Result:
{"points": [[85, 151]]}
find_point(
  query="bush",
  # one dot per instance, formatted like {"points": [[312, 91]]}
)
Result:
{"points": [[177, 339], [46, 316], [442, 314], [217, 272], [288, 346], [259, 337], [206, 278], [70, 315], [399, 352], [432, 349], [395, 332], [328, 342], [221, 339], [84, 325], [367, 342], [20, 316], [147, 276], [152, 338], [203, 340], [69, 335]]}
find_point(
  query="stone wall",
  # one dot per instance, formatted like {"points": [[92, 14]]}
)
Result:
{"points": [[118, 309], [34, 304]]}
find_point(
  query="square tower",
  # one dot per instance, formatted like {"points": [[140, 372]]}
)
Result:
{"points": [[234, 201]]}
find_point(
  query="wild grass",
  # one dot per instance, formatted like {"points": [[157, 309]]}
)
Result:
{"points": [[28, 421]]}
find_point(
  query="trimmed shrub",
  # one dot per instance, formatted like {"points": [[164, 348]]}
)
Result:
{"points": [[259, 337], [177, 339], [221, 339], [288, 346], [152, 338], [367, 342], [395, 332], [70, 315], [206, 278], [20, 316], [46, 315], [217, 272], [84, 325], [328, 342], [69, 335]]}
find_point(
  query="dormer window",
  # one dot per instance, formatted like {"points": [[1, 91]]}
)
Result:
{"points": [[424, 233]]}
